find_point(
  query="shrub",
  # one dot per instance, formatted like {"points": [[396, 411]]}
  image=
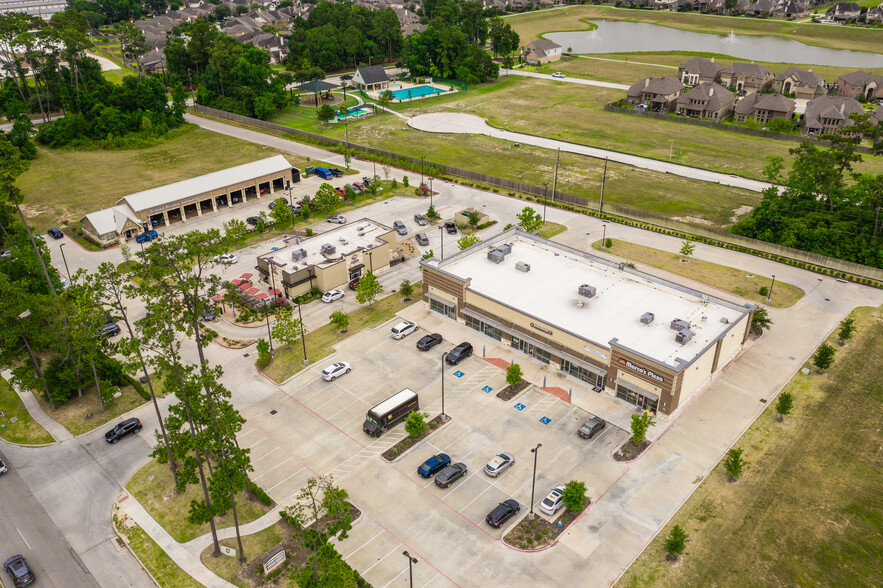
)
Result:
{"points": [[263, 349], [733, 463], [763, 291], [513, 374], [309, 232], [405, 181], [574, 497], [676, 542], [415, 424], [260, 494]]}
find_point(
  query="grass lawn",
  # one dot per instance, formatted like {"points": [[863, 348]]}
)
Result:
{"points": [[63, 185], [725, 278], [115, 76], [157, 561], [304, 117], [154, 488], [551, 229], [253, 545], [808, 509], [72, 415], [289, 360], [25, 430]]}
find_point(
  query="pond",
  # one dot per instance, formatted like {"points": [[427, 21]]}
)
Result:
{"points": [[629, 37]]}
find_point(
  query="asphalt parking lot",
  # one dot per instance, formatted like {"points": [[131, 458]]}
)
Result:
{"points": [[317, 429]]}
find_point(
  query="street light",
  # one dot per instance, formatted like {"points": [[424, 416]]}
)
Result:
{"points": [[422, 157], [770, 293], [441, 231], [545, 197], [61, 248], [671, 146], [269, 334], [533, 481], [443, 386], [302, 335], [604, 237], [411, 560], [430, 192]]}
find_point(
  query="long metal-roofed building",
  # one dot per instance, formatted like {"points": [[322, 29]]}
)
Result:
{"points": [[189, 199], [648, 341]]}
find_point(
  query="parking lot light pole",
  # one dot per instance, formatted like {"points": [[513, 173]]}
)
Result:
{"points": [[443, 386], [61, 248], [269, 334], [422, 157], [303, 339], [545, 198], [430, 192], [441, 231], [604, 237], [770, 293], [533, 482], [411, 560]]}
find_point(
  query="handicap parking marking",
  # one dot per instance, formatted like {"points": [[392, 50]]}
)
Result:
{"points": [[520, 406], [487, 389], [545, 420], [459, 374]]}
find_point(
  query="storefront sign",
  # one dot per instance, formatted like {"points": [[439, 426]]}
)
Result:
{"points": [[168, 206], [594, 351], [541, 329], [640, 370]]}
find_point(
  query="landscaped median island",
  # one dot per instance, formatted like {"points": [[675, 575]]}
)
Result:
{"points": [[537, 532], [410, 441], [807, 508], [728, 279], [18, 424]]}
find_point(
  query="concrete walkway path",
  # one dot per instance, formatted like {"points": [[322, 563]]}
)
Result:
{"points": [[58, 432], [453, 122], [531, 74]]}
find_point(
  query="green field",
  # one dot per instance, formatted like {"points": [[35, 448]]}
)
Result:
{"points": [[808, 509], [18, 424]]}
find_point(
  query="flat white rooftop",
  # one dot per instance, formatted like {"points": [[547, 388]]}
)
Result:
{"points": [[550, 293], [348, 240]]}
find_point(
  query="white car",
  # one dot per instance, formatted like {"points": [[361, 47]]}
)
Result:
{"points": [[2, 467], [226, 258], [339, 219], [553, 501], [403, 329], [500, 463], [334, 370], [332, 295], [558, 74]]}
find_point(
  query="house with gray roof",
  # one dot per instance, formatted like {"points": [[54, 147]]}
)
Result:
{"points": [[844, 12], [655, 94], [699, 69], [706, 100], [763, 108], [746, 77], [830, 114], [875, 14], [541, 51], [371, 78], [860, 83], [804, 84]]}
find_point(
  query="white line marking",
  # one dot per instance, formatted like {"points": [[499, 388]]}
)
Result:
{"points": [[272, 468], [265, 455], [394, 549], [286, 479], [364, 544], [23, 539]]}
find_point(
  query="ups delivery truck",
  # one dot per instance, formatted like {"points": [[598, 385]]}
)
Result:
{"points": [[390, 412]]}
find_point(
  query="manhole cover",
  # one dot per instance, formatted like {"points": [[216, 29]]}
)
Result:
{"points": [[763, 400], [245, 355], [273, 411]]}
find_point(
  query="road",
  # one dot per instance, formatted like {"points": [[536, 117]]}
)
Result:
{"points": [[530, 74]]}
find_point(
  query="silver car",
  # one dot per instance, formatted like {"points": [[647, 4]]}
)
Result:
{"points": [[334, 370], [499, 464], [553, 501]]}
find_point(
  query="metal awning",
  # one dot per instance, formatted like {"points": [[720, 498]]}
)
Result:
{"points": [[639, 389], [590, 367], [484, 319]]}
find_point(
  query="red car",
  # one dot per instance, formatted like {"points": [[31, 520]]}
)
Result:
{"points": [[341, 191]]}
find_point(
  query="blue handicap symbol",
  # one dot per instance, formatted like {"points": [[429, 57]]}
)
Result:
{"points": [[487, 389], [520, 406], [459, 374], [545, 420]]}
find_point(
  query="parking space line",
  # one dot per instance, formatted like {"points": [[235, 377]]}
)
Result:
{"points": [[489, 486], [379, 533], [256, 444], [272, 468], [274, 450], [346, 407], [432, 579], [394, 550], [286, 479], [244, 433], [404, 571]]}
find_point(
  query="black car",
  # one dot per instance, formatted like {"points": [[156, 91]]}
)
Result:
{"points": [[450, 474], [2, 467], [253, 220], [354, 283], [278, 201], [346, 77], [502, 513], [124, 429], [429, 341], [18, 570], [451, 227], [459, 353], [208, 316], [336, 172], [55, 233], [110, 329]]}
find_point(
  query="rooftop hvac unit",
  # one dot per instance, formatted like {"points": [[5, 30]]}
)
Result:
{"points": [[725, 320], [683, 336], [587, 291], [496, 255], [298, 254], [522, 267], [327, 249], [506, 248], [647, 318], [679, 324]]}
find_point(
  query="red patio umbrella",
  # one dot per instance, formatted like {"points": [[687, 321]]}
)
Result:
{"points": [[244, 286], [235, 282], [261, 296], [274, 292], [246, 276], [218, 298], [253, 291]]}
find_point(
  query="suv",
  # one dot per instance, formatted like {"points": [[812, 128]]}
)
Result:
{"points": [[590, 427], [18, 570], [146, 237], [459, 353], [451, 227], [124, 429], [55, 233], [420, 220], [502, 513], [400, 228], [110, 329], [422, 239], [403, 329]]}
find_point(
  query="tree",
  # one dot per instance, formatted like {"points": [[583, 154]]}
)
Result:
{"points": [[282, 214], [432, 213], [574, 496], [428, 255], [824, 357], [406, 288], [133, 43], [340, 319], [784, 404], [687, 248], [513, 374], [640, 424], [415, 424], [847, 328], [472, 218], [467, 241], [529, 219], [325, 113], [676, 542], [368, 289], [733, 464], [287, 328], [387, 169], [326, 200], [761, 319]]}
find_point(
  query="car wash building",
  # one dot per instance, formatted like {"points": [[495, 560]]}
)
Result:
{"points": [[648, 341]]}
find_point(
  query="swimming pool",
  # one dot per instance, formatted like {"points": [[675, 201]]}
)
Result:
{"points": [[415, 92], [353, 112]]}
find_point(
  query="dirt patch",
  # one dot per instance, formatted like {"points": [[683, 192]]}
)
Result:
{"points": [[234, 343], [539, 533], [695, 220], [408, 442], [628, 451], [510, 392], [740, 212], [407, 248]]}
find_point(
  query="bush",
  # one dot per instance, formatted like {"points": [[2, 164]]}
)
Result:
{"points": [[676, 542], [733, 463], [405, 181], [263, 349], [574, 497], [309, 232], [763, 291], [260, 494], [415, 424], [513, 374]]}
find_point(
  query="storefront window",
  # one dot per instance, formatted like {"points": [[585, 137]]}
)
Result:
{"points": [[483, 327], [531, 350], [449, 311], [582, 373], [636, 398]]}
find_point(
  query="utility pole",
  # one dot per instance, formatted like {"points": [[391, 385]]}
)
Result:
{"points": [[555, 177], [603, 181]]}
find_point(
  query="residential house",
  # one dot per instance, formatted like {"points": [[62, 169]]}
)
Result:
{"points": [[757, 8], [860, 83], [707, 100], [829, 114], [791, 9], [877, 117], [763, 108], [746, 77], [844, 12], [371, 78], [153, 61], [541, 51], [657, 94], [875, 14], [804, 84], [698, 70]]}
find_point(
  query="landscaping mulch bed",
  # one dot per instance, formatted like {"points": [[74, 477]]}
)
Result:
{"points": [[628, 451], [510, 392], [539, 533], [408, 442]]}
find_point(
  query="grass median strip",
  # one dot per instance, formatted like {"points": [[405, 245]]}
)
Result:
{"points": [[725, 278], [808, 508], [83, 414], [18, 424]]}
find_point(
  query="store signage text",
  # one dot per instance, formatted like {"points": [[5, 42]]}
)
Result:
{"points": [[595, 352], [640, 370], [175, 205], [541, 329]]}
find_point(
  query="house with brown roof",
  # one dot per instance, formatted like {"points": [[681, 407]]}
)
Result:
{"points": [[844, 12], [746, 77], [875, 14], [860, 83], [763, 108], [699, 69], [804, 84], [541, 51], [829, 114], [706, 100], [656, 94]]}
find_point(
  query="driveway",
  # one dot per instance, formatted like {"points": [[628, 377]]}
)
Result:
{"points": [[584, 82]]}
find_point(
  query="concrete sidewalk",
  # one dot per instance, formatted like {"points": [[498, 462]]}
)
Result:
{"points": [[58, 432]]}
